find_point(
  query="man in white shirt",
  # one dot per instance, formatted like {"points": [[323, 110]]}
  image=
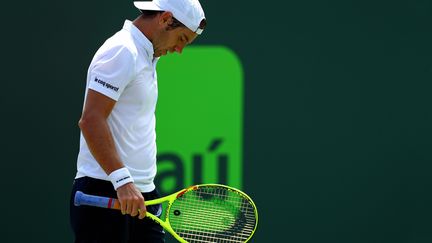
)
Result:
{"points": [[117, 156]]}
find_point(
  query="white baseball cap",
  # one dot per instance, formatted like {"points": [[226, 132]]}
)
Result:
{"points": [[188, 12]]}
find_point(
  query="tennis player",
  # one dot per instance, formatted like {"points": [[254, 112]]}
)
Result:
{"points": [[117, 155]]}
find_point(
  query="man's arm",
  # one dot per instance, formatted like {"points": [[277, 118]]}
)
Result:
{"points": [[94, 126]]}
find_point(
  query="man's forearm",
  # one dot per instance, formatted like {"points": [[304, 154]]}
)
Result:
{"points": [[101, 143]]}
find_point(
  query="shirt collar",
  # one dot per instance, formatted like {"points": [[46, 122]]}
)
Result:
{"points": [[141, 40]]}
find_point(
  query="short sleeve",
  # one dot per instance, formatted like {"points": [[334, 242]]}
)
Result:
{"points": [[111, 71]]}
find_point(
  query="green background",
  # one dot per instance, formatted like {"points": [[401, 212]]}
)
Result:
{"points": [[199, 118], [337, 113]]}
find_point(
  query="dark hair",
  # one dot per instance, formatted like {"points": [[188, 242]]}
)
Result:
{"points": [[175, 24], [149, 14], [203, 24]]}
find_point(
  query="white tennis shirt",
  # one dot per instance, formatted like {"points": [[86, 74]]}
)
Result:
{"points": [[124, 69]]}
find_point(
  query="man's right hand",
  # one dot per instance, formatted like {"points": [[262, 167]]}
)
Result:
{"points": [[131, 200]]}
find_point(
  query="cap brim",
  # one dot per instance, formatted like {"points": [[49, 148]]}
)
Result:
{"points": [[148, 5]]}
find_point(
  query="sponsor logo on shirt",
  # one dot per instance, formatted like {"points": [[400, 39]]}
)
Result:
{"points": [[106, 85]]}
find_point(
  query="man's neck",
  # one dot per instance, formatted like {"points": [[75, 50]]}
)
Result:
{"points": [[145, 26]]}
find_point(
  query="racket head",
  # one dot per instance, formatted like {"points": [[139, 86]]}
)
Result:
{"points": [[212, 213]]}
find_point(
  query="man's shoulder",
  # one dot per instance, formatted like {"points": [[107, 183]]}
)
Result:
{"points": [[116, 46], [122, 41]]}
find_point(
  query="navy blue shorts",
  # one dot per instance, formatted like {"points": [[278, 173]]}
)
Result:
{"points": [[101, 225]]}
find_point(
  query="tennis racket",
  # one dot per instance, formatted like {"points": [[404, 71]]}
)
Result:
{"points": [[200, 213]]}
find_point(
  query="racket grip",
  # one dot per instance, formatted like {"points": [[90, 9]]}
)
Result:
{"points": [[96, 201]]}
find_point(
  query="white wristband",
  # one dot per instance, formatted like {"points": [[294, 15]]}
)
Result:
{"points": [[120, 177]]}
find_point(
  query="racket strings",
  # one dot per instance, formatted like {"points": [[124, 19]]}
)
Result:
{"points": [[191, 231], [211, 214]]}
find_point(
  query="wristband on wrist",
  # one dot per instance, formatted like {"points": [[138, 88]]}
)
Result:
{"points": [[120, 177]]}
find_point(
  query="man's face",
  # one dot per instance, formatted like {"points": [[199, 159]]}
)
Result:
{"points": [[171, 40]]}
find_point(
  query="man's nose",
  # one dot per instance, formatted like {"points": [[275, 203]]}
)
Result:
{"points": [[179, 49]]}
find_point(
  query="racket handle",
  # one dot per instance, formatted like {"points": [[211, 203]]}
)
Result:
{"points": [[97, 201]]}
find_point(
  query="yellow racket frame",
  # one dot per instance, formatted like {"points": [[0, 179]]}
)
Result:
{"points": [[171, 198]]}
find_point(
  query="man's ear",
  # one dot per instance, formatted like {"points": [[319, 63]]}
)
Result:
{"points": [[166, 18]]}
